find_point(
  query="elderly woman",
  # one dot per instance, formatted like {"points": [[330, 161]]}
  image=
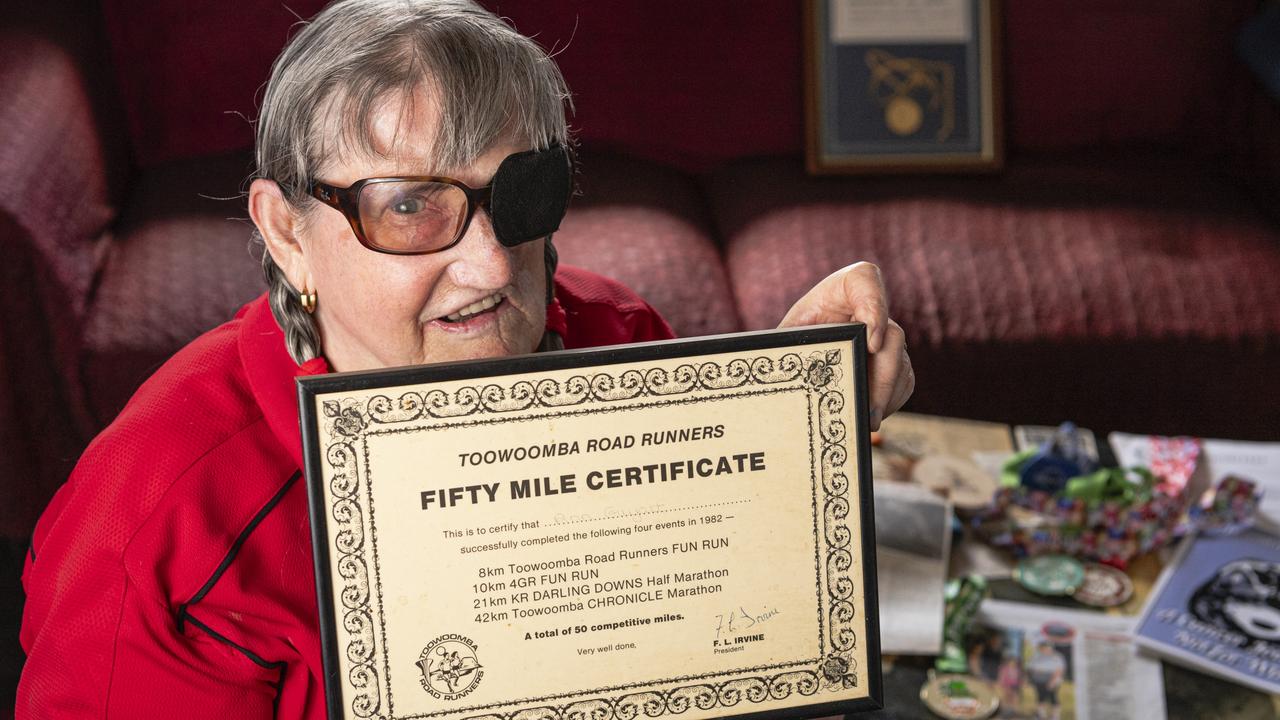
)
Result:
{"points": [[411, 168]]}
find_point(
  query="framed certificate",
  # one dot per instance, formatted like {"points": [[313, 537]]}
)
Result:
{"points": [[902, 85], [679, 528]]}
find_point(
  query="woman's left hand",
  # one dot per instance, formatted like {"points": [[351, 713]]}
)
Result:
{"points": [[856, 294]]}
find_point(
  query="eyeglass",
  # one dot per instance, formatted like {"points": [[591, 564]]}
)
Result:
{"points": [[421, 214]]}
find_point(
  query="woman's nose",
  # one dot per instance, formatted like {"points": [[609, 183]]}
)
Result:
{"points": [[482, 262]]}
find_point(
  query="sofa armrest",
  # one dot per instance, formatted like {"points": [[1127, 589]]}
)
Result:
{"points": [[55, 169], [60, 177]]}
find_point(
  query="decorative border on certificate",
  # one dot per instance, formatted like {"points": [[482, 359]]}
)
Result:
{"points": [[337, 429], [902, 85]]}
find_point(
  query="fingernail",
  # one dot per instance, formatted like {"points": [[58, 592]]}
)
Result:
{"points": [[875, 419]]}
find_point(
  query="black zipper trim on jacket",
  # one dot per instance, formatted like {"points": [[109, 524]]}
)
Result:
{"points": [[184, 615], [277, 665], [256, 658], [235, 546]]}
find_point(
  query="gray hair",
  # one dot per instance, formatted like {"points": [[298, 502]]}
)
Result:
{"points": [[489, 80]]}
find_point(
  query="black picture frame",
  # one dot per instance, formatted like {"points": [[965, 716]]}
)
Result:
{"points": [[899, 103], [309, 388]]}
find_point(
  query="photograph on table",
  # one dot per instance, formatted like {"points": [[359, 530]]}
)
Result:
{"points": [[995, 654], [1057, 664], [1032, 669]]}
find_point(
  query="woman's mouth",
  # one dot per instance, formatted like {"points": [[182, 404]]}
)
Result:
{"points": [[473, 311]]}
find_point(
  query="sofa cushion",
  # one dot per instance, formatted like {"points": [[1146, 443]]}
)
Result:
{"points": [[1071, 288], [181, 264], [55, 168], [646, 226]]}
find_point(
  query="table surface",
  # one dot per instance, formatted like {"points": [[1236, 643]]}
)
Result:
{"points": [[1188, 695]]}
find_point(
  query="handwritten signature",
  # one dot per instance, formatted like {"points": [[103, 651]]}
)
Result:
{"points": [[740, 620]]}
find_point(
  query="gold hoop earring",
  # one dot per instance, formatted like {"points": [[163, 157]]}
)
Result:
{"points": [[308, 300]]}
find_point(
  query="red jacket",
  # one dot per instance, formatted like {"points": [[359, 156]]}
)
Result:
{"points": [[171, 576]]}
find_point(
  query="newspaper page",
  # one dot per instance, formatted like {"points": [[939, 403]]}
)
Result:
{"points": [[913, 537]]}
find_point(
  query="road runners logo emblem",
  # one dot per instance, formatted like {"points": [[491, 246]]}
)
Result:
{"points": [[450, 668]]}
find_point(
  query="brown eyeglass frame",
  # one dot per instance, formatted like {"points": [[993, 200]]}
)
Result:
{"points": [[347, 201]]}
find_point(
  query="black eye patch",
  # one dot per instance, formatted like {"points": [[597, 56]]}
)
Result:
{"points": [[530, 194]]}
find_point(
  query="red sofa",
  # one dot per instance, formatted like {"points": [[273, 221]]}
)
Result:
{"points": [[1121, 271]]}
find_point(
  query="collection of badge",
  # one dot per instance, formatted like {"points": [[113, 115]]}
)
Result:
{"points": [[1062, 575], [1057, 506], [956, 697], [963, 597], [1228, 508], [951, 692], [1055, 499]]}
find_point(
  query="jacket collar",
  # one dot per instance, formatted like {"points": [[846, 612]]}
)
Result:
{"points": [[271, 372]]}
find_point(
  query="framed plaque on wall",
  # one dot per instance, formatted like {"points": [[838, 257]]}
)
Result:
{"points": [[902, 85]]}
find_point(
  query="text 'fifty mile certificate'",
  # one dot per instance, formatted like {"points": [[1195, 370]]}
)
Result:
{"points": [[668, 529]]}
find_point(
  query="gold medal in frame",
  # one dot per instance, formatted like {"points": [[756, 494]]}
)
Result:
{"points": [[902, 86]]}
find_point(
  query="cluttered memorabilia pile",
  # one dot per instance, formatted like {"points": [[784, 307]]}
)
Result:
{"points": [[1034, 572]]}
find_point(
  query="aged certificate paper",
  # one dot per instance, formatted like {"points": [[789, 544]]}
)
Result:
{"points": [[678, 528]]}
